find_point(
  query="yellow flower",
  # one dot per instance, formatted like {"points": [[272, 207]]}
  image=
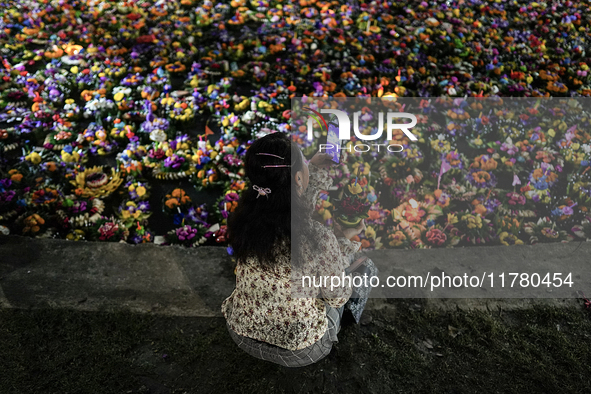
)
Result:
{"points": [[509, 239], [74, 70], [243, 105], [113, 182], [33, 158], [141, 191], [167, 101], [74, 157], [75, 235], [355, 188], [473, 221], [370, 232], [452, 218], [397, 239], [118, 96], [440, 146]]}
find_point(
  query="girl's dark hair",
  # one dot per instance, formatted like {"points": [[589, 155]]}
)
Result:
{"points": [[259, 226]]}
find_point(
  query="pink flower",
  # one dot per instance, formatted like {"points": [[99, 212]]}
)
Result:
{"points": [[436, 237], [515, 198]]}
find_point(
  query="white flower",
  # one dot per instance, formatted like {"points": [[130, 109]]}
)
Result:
{"points": [[158, 135], [70, 61], [248, 117], [123, 89], [91, 105]]}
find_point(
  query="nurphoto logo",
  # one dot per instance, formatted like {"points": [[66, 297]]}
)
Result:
{"points": [[344, 129]]}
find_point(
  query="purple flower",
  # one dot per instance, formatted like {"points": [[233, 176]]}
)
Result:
{"points": [[79, 206], [7, 196], [186, 233], [174, 161], [135, 239], [6, 182], [492, 204], [509, 148], [144, 206], [198, 215], [567, 210]]}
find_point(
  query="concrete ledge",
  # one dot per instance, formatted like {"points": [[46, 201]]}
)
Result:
{"points": [[563, 258], [36, 273], [93, 276]]}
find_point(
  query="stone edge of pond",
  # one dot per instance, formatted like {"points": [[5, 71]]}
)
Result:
{"points": [[178, 281]]}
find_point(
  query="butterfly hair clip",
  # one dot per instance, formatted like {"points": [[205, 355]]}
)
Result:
{"points": [[262, 191]]}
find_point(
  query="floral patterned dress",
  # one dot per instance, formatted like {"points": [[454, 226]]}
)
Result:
{"points": [[273, 306]]}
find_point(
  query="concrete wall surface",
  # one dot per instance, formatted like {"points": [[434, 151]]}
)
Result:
{"points": [[173, 280]]}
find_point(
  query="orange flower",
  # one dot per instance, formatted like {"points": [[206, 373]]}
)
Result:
{"points": [[481, 176], [238, 185], [175, 67], [16, 178], [485, 163], [481, 209], [373, 215], [171, 203], [177, 192], [57, 52], [538, 173], [450, 159]]}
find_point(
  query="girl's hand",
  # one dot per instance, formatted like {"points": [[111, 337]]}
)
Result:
{"points": [[322, 160], [349, 232]]}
